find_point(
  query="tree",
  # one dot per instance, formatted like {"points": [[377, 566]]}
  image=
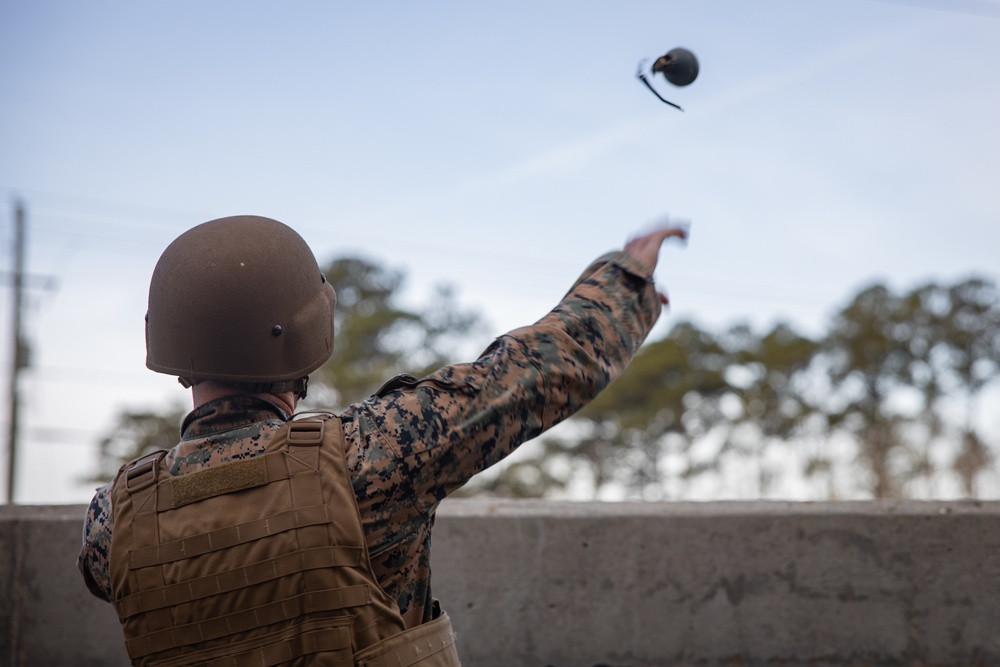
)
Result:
{"points": [[376, 337], [769, 375], [136, 433], [963, 358], [896, 361], [869, 355], [886, 375]]}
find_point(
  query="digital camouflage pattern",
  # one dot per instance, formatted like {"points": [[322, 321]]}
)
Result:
{"points": [[416, 440]]}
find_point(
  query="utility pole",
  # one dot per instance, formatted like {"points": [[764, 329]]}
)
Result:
{"points": [[19, 358]]}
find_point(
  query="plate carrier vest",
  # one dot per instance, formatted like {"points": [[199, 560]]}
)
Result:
{"points": [[258, 562]]}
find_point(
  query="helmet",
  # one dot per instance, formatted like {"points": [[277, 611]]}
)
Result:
{"points": [[239, 300]]}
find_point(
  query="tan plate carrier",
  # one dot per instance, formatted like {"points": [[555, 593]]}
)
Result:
{"points": [[257, 562]]}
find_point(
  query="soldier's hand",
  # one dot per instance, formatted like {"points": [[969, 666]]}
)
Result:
{"points": [[646, 248]]}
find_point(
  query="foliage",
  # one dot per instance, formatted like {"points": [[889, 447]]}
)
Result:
{"points": [[377, 337], [882, 381], [868, 354], [894, 360], [768, 375], [134, 434]]}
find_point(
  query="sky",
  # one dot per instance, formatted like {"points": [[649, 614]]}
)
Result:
{"points": [[496, 147]]}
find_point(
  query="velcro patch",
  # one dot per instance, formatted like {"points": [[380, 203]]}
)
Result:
{"points": [[218, 481]]}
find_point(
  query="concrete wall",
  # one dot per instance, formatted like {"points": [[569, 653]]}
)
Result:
{"points": [[624, 585]]}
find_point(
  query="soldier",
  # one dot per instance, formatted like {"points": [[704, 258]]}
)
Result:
{"points": [[263, 539]]}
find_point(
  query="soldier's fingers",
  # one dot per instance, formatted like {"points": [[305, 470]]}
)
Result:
{"points": [[657, 237], [646, 248], [666, 232]]}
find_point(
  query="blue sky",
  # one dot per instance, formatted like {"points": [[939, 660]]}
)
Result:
{"points": [[497, 147]]}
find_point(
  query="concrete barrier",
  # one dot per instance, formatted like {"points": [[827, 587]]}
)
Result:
{"points": [[624, 585]]}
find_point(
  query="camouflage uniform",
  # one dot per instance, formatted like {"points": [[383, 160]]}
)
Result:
{"points": [[416, 440]]}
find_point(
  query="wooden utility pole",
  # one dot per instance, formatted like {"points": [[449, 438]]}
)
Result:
{"points": [[19, 358]]}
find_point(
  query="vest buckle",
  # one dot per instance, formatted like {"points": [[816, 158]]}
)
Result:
{"points": [[143, 473], [305, 432]]}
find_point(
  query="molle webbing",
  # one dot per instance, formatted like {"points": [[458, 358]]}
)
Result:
{"points": [[281, 646], [141, 485], [256, 563], [230, 536], [241, 621], [237, 578], [319, 641]]}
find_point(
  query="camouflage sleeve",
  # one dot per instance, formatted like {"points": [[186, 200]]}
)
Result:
{"points": [[93, 559], [464, 418]]}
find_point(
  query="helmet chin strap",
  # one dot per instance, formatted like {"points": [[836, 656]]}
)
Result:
{"points": [[299, 385]]}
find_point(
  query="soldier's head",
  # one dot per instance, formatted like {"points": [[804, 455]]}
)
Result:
{"points": [[241, 301]]}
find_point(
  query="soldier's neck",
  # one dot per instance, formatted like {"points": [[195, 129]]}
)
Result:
{"points": [[209, 390]]}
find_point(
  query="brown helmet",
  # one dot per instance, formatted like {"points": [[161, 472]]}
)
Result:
{"points": [[239, 300]]}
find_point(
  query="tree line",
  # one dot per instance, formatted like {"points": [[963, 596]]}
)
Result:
{"points": [[886, 403]]}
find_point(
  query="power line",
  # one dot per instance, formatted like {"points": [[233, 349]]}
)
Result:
{"points": [[88, 376], [18, 192], [46, 434], [97, 237]]}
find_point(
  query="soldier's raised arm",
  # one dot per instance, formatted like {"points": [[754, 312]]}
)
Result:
{"points": [[464, 418]]}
